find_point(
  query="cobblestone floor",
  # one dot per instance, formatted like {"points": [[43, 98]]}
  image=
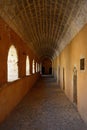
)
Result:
{"points": [[44, 108]]}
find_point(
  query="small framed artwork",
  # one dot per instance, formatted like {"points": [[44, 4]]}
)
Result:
{"points": [[82, 64]]}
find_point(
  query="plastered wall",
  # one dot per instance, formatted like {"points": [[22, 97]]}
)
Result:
{"points": [[67, 60], [7, 38], [12, 93]]}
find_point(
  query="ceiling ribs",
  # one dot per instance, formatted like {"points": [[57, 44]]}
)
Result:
{"points": [[44, 24]]}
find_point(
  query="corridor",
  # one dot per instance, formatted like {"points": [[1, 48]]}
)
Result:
{"points": [[44, 108]]}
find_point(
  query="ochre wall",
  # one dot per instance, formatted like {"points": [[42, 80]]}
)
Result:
{"points": [[68, 59], [55, 68], [12, 93], [7, 38]]}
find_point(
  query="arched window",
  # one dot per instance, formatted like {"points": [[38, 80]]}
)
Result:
{"points": [[12, 64], [40, 68], [36, 67], [27, 66], [33, 66]]}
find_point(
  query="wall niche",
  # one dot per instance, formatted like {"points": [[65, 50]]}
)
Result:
{"points": [[82, 64]]}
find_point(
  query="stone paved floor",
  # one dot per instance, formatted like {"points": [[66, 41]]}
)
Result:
{"points": [[44, 108]]}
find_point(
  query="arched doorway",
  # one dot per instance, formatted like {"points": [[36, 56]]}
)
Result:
{"points": [[63, 79], [27, 65], [12, 64], [75, 85], [59, 75], [47, 66]]}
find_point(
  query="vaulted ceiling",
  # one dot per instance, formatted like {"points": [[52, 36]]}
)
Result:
{"points": [[45, 25]]}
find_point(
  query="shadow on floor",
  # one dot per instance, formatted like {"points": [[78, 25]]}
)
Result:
{"points": [[45, 107]]}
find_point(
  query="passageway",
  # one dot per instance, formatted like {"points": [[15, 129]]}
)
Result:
{"points": [[44, 108]]}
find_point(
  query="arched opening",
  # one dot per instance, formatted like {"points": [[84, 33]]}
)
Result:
{"points": [[36, 67], [75, 85], [33, 66], [27, 66], [59, 75], [46, 66], [40, 68], [12, 64], [63, 79]]}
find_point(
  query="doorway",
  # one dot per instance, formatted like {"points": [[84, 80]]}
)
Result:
{"points": [[63, 79], [59, 76], [50, 70], [46, 66], [75, 85], [43, 70]]}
